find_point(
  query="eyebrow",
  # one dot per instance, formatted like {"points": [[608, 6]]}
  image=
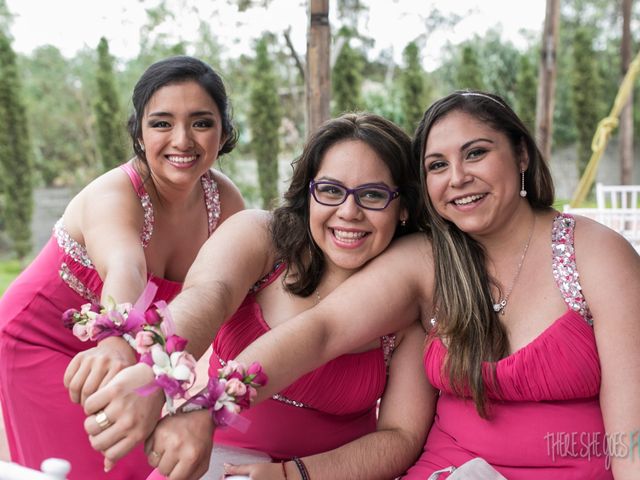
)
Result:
{"points": [[198, 113], [463, 147], [334, 180]]}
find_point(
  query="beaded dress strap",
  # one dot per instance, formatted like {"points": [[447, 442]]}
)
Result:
{"points": [[565, 271], [211, 200], [145, 201]]}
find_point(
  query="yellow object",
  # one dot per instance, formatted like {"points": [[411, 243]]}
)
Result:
{"points": [[603, 132]]}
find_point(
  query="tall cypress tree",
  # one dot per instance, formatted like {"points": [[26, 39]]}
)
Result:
{"points": [[346, 80], [264, 122], [585, 83], [412, 81], [526, 92], [110, 121], [15, 153], [469, 73]]}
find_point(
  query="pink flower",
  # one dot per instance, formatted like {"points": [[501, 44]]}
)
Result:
{"points": [[185, 359], [175, 343], [80, 331], [235, 388], [144, 341], [152, 317], [68, 318], [257, 375]]}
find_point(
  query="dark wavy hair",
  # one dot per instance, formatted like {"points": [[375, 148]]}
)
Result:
{"points": [[171, 71], [463, 302], [290, 224]]}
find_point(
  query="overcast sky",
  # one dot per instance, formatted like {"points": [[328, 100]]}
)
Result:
{"points": [[71, 25]]}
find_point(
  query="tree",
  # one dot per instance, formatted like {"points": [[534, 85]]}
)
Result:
{"points": [[347, 80], [585, 82], [264, 121], [109, 120], [413, 88], [15, 153], [626, 116], [526, 90], [318, 78], [469, 75]]}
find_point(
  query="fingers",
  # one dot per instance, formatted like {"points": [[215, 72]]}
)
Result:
{"points": [[75, 377], [237, 469], [93, 381]]}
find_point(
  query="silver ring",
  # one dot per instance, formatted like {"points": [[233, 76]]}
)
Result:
{"points": [[102, 420]]}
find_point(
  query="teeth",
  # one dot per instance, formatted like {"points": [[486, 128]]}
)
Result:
{"points": [[467, 200], [175, 159], [342, 235]]}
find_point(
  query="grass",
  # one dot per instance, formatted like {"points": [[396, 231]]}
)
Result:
{"points": [[9, 269]]}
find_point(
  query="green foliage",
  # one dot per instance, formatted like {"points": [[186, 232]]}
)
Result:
{"points": [[526, 90], [585, 84], [264, 121], [15, 153], [9, 270], [110, 122], [413, 88], [469, 74], [346, 80]]}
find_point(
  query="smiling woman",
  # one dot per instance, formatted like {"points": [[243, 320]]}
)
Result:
{"points": [[144, 221]]}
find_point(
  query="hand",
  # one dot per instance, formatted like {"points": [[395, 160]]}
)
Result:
{"points": [[130, 416], [180, 446], [259, 471], [93, 368]]}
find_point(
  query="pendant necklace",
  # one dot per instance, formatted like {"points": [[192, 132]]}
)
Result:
{"points": [[502, 303]]}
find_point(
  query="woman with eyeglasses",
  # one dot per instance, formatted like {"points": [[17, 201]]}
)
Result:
{"points": [[354, 189]]}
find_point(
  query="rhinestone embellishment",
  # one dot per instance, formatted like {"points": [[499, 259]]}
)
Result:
{"points": [[564, 265]]}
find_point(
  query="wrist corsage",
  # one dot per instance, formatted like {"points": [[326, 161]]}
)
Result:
{"points": [[164, 351], [226, 395], [96, 322]]}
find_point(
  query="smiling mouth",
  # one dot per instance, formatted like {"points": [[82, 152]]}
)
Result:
{"points": [[468, 199], [181, 160], [348, 237]]}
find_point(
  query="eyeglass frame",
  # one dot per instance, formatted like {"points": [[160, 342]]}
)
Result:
{"points": [[393, 194]]}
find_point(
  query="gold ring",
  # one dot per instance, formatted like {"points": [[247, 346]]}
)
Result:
{"points": [[102, 420]]}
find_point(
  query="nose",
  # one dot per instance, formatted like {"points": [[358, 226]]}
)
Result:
{"points": [[349, 209], [182, 139], [459, 175]]}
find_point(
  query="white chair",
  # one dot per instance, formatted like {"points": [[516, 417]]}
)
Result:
{"points": [[617, 196], [51, 469]]}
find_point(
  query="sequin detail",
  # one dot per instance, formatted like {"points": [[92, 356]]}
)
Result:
{"points": [[70, 246], [76, 284], [388, 346], [564, 265], [211, 200], [288, 401], [147, 227], [266, 279]]}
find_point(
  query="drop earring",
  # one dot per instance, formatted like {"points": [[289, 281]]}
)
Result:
{"points": [[523, 192], [141, 145]]}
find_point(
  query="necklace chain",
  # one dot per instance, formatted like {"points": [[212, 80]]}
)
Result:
{"points": [[317, 296], [502, 303]]}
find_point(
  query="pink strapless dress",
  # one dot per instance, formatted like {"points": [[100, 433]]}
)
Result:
{"points": [[545, 420], [35, 349]]}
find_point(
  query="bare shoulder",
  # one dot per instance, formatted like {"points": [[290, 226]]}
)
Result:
{"points": [[111, 191], [412, 253], [608, 264], [253, 219], [231, 200], [596, 243]]}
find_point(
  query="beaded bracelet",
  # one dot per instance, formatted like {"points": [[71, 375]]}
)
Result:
{"points": [[226, 395], [302, 468]]}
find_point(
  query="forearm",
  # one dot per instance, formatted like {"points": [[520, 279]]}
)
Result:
{"points": [[383, 455]]}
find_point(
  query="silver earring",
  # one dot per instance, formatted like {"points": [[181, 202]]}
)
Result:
{"points": [[141, 145], [403, 222], [523, 192]]}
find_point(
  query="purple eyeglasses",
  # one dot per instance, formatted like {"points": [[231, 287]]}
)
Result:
{"points": [[372, 196]]}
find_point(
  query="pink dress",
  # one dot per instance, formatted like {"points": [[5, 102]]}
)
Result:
{"points": [[320, 411], [35, 349], [545, 421]]}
